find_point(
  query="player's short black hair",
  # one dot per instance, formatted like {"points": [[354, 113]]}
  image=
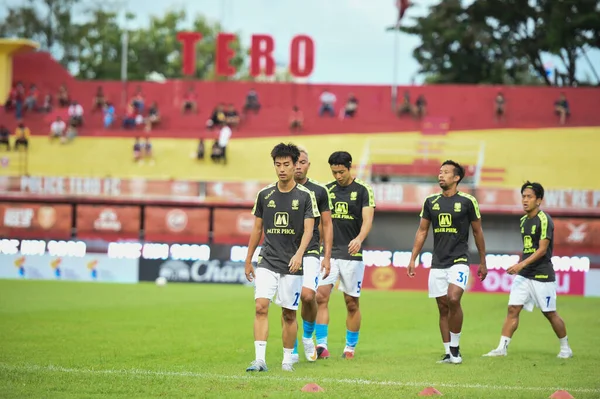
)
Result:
{"points": [[537, 188], [341, 158], [283, 150], [458, 169]]}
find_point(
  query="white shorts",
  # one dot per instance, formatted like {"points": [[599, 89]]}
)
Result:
{"points": [[349, 272], [311, 267], [440, 279], [527, 292], [287, 287]]}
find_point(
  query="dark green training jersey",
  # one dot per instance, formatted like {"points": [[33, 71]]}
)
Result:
{"points": [[348, 203], [538, 228], [283, 217], [450, 219], [324, 205]]}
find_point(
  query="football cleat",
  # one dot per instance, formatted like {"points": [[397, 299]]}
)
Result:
{"points": [[310, 350], [257, 365], [565, 354], [322, 352], [445, 359], [287, 366], [496, 353]]}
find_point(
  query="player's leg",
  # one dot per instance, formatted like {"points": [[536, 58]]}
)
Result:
{"points": [[310, 282], [545, 294], [323, 294], [438, 289], [288, 297], [458, 276], [520, 297], [351, 278], [265, 286]]}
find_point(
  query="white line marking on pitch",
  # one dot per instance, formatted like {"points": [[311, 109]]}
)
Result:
{"points": [[262, 376]]}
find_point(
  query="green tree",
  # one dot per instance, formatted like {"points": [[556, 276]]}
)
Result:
{"points": [[502, 41]]}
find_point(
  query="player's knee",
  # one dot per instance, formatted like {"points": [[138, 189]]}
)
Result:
{"points": [[351, 304], [322, 298], [308, 296], [454, 301], [513, 311], [550, 315], [261, 309], [289, 316]]}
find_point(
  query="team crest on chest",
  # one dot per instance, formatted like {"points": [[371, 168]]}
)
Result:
{"points": [[457, 207], [295, 204], [533, 229], [353, 196], [436, 207]]}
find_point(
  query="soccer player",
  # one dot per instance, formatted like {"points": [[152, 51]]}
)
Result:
{"points": [[535, 283], [312, 266], [450, 213], [352, 213], [286, 212]]}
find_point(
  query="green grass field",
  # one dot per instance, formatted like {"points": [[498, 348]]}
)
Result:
{"points": [[78, 340]]}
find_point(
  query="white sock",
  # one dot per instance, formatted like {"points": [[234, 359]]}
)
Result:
{"points": [[260, 348], [454, 339], [504, 341], [447, 347], [287, 355], [564, 343]]}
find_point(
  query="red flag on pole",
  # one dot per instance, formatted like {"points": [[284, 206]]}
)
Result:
{"points": [[402, 7]]}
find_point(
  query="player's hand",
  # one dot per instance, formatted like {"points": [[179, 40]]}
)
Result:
{"points": [[482, 272], [249, 270], [354, 246], [514, 269], [410, 270], [325, 267], [296, 263]]}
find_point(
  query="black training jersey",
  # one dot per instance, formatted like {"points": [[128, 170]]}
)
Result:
{"points": [[324, 205], [346, 213], [283, 217], [538, 228], [450, 219]]}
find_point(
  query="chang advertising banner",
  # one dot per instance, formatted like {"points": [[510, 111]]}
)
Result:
{"points": [[90, 268]]}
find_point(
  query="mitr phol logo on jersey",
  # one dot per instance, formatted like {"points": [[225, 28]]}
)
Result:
{"points": [[445, 224], [281, 221]]}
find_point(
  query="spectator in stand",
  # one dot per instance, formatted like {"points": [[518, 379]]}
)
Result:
{"points": [[22, 134], [138, 100], [351, 106], [153, 117], [224, 137], [561, 108], [405, 107], [147, 148], [200, 150], [47, 107], [216, 153], [75, 112], [252, 103], [5, 137], [63, 96], [19, 100], [190, 101], [296, 120], [12, 98], [32, 98], [109, 115], [99, 100], [57, 129], [217, 117], [232, 118], [130, 117], [328, 100], [420, 109], [137, 150], [499, 106], [70, 135]]}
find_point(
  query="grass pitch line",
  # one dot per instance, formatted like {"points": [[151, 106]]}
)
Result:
{"points": [[263, 376]]}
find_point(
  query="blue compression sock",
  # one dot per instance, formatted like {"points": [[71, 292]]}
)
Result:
{"points": [[295, 350], [321, 331], [351, 338], [309, 329]]}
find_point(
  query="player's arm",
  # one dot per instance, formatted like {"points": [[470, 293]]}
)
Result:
{"points": [[368, 211], [326, 227], [420, 237], [546, 234], [311, 211], [475, 219], [255, 236]]}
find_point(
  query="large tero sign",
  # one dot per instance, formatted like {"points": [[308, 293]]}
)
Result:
{"points": [[302, 54]]}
